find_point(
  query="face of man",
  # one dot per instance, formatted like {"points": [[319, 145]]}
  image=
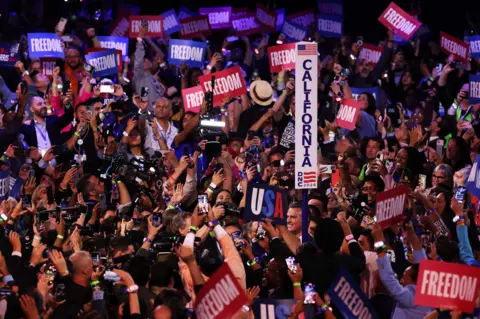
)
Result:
{"points": [[294, 220], [73, 58], [162, 109], [80, 112], [373, 147], [97, 185], [97, 108], [38, 107]]}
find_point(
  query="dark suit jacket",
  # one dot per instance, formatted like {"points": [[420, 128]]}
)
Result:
{"points": [[54, 125]]}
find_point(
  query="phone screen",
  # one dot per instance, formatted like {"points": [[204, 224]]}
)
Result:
{"points": [[460, 194], [202, 204], [105, 88], [60, 293], [156, 220], [309, 294], [291, 264], [96, 257]]}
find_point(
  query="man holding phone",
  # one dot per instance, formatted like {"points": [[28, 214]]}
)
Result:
{"points": [[161, 131]]}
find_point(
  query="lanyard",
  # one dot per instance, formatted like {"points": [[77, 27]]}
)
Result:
{"points": [[42, 134], [167, 134]]}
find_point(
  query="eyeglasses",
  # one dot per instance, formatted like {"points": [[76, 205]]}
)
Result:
{"points": [[369, 189], [438, 177], [72, 56]]}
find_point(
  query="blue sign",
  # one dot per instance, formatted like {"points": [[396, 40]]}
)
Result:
{"points": [[265, 201], [9, 54], [348, 297], [117, 43], [280, 18], [474, 42], [170, 22], [185, 13], [473, 182], [45, 45], [294, 32], [330, 7], [399, 40], [330, 26], [474, 94], [188, 51], [373, 90], [104, 62]]}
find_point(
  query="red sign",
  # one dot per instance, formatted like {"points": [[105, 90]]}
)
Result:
{"points": [[221, 296], [394, 18], [304, 18], [155, 26], [228, 82], [390, 205], [452, 45], [447, 285], [370, 53], [266, 17], [281, 57], [119, 28], [47, 65], [119, 56], [245, 24], [348, 114], [193, 27], [193, 98]]}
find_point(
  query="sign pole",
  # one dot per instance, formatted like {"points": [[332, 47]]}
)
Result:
{"points": [[305, 236]]}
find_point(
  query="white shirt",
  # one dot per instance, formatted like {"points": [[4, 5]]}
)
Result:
{"points": [[43, 141], [168, 136]]}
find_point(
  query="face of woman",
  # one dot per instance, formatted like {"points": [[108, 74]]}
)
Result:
{"points": [[438, 177], [401, 159], [363, 99], [407, 79], [418, 116], [439, 203], [452, 149], [370, 189], [224, 197]]}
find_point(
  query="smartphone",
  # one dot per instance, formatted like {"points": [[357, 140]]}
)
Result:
{"points": [[31, 173], [111, 276], [291, 264], [50, 272], [278, 163], [61, 24], [17, 151], [238, 240], [67, 38], [5, 291], [439, 148], [309, 294], [380, 157], [422, 181], [325, 169], [460, 194], [50, 197], [144, 23], [106, 88], [156, 220], [95, 257], [89, 68], [60, 293], [202, 204], [232, 38], [57, 149]]}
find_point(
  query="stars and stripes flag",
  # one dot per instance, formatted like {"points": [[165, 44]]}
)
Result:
{"points": [[307, 49], [309, 177]]}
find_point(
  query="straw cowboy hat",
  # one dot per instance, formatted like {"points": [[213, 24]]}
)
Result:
{"points": [[261, 92]]}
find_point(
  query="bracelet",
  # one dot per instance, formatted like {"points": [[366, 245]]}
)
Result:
{"points": [[125, 134], [210, 190], [431, 210], [132, 289], [25, 73], [60, 236], [94, 283], [349, 237], [322, 309], [280, 80], [76, 134], [193, 229], [251, 263], [37, 237], [209, 67], [297, 284], [213, 186], [54, 85], [148, 240]]}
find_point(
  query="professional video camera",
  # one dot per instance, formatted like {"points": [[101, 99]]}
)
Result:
{"points": [[149, 169], [230, 209], [210, 126]]}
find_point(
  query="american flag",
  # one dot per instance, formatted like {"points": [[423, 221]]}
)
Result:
{"points": [[309, 177], [307, 49]]}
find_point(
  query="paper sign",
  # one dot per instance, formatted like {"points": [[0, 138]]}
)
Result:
{"points": [[118, 43], [155, 26], [45, 45], [9, 54], [348, 114], [452, 45], [185, 13], [335, 179], [394, 18], [265, 201], [120, 27], [370, 53], [193, 98], [330, 26], [294, 32], [119, 56], [372, 90], [474, 94], [349, 298], [220, 17], [188, 51], [171, 24], [304, 18], [104, 62], [474, 43], [47, 65], [228, 82], [277, 309], [193, 27], [330, 7], [281, 57], [447, 285], [390, 205], [280, 18], [221, 296], [306, 142], [238, 12], [473, 182], [265, 17], [245, 25]]}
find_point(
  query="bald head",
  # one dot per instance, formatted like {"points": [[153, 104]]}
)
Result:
{"points": [[162, 312], [82, 263]]}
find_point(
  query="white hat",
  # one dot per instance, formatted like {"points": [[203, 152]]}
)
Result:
{"points": [[261, 92]]}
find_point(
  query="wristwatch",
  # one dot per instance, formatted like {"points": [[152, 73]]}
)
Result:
{"points": [[458, 218], [212, 224]]}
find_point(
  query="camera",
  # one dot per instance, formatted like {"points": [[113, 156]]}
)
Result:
{"points": [[230, 209], [210, 127]]}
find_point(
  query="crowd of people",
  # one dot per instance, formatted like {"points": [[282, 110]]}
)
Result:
{"points": [[123, 205]]}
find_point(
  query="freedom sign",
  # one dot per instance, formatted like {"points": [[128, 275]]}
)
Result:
{"points": [[473, 182], [390, 205], [221, 296], [280, 18], [452, 45], [330, 26], [118, 43], [294, 32], [47, 65], [394, 18], [349, 298], [193, 99], [348, 114], [220, 17], [265, 201], [447, 285], [306, 84], [474, 43], [188, 51], [184, 12], [228, 82], [9, 54], [104, 62], [334, 7], [155, 26], [265, 17], [119, 56], [373, 90], [193, 27], [370, 53], [304, 18], [170, 22], [474, 94], [245, 24], [281, 57], [45, 45], [120, 27]]}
